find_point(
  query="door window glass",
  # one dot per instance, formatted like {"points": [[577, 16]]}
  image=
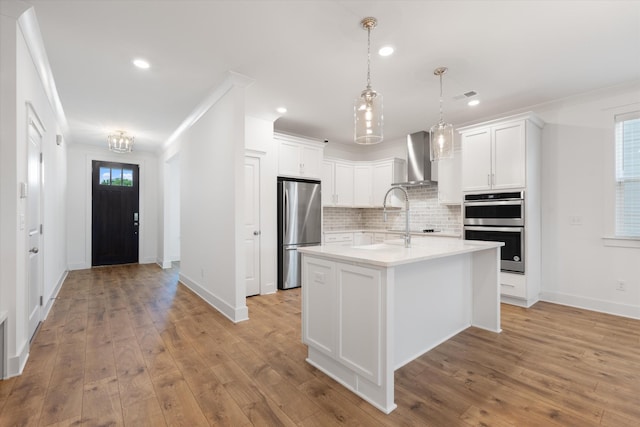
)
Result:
{"points": [[116, 177], [105, 176]]}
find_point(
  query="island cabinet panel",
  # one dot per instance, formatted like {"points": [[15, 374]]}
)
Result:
{"points": [[319, 323], [359, 319]]}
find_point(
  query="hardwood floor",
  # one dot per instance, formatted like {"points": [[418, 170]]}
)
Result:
{"points": [[130, 346]]}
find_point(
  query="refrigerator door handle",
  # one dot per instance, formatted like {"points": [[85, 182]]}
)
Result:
{"points": [[286, 212]]}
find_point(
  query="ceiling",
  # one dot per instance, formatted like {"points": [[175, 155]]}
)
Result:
{"points": [[311, 57]]}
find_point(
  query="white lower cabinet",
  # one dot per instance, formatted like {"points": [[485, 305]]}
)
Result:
{"points": [[319, 322], [338, 239], [349, 330]]}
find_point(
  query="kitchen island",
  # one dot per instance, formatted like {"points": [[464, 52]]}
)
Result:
{"points": [[368, 310]]}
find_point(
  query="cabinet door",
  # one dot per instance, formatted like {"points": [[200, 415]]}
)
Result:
{"points": [[343, 184], [289, 158], [318, 299], [328, 193], [449, 175], [476, 160], [359, 292], [385, 174], [508, 155], [311, 160], [362, 186]]}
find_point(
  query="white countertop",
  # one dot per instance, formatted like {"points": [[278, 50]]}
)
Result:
{"points": [[393, 253]]}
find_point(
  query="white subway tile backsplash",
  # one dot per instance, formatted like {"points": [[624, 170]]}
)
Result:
{"points": [[426, 212]]}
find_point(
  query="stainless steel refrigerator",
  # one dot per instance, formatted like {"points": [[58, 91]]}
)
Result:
{"points": [[299, 224]]}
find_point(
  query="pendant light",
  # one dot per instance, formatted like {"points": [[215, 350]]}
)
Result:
{"points": [[442, 133], [120, 142], [368, 107]]}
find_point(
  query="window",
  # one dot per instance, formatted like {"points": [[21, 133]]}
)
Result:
{"points": [[116, 177], [628, 175]]}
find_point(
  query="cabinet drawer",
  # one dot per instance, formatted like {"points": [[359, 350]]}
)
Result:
{"points": [[513, 285], [338, 238]]}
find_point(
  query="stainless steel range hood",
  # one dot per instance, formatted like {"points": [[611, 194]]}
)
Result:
{"points": [[420, 169]]}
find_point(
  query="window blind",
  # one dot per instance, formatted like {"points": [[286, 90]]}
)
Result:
{"points": [[627, 136]]}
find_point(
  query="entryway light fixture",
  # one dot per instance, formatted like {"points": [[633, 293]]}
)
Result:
{"points": [[368, 107], [120, 142], [441, 134]]}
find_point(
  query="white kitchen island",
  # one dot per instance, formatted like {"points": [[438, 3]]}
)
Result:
{"points": [[368, 310]]}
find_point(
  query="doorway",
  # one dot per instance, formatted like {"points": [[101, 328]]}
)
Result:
{"points": [[115, 213], [33, 194], [252, 224]]}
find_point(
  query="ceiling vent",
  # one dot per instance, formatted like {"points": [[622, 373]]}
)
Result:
{"points": [[469, 94]]}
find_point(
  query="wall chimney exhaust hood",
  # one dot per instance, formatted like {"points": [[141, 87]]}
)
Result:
{"points": [[420, 170]]}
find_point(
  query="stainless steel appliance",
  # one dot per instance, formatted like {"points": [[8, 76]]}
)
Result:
{"points": [[498, 217], [420, 169], [299, 224]]}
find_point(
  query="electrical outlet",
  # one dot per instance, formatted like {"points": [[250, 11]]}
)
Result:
{"points": [[575, 220], [620, 286]]}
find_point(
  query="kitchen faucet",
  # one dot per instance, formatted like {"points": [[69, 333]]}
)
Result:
{"points": [[407, 235]]}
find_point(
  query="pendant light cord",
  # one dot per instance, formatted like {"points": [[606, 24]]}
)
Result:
{"points": [[441, 120], [368, 57]]}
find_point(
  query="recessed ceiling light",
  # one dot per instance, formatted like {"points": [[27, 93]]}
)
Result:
{"points": [[281, 110], [385, 51], [473, 102], [141, 63]]}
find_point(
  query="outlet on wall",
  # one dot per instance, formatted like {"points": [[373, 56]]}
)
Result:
{"points": [[620, 286]]}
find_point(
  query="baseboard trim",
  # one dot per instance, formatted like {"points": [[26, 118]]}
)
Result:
{"points": [[609, 307], [78, 266], [54, 294], [234, 314], [16, 364]]}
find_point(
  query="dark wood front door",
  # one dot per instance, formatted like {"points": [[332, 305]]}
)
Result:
{"points": [[115, 217]]}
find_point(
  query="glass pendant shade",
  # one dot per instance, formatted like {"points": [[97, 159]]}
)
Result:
{"points": [[441, 141], [368, 117], [441, 134]]}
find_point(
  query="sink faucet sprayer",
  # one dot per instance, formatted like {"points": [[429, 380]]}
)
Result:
{"points": [[407, 235]]}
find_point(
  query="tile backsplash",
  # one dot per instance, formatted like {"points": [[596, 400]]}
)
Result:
{"points": [[426, 212]]}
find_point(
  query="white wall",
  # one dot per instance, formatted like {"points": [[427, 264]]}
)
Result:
{"points": [[578, 181], [211, 203], [22, 81], [80, 157]]}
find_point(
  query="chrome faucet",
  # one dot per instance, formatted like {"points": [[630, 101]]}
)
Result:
{"points": [[407, 235]]}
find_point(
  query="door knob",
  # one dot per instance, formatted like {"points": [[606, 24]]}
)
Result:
{"points": [[33, 250], [256, 233]]}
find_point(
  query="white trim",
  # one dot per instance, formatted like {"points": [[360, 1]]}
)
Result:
{"points": [[609, 307], [233, 79], [621, 242], [47, 308], [78, 266], [16, 364], [298, 139], [234, 314]]}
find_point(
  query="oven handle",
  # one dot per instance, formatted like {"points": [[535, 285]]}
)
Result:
{"points": [[496, 203], [502, 229]]}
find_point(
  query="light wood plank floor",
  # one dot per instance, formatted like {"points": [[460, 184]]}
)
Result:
{"points": [[130, 346]]}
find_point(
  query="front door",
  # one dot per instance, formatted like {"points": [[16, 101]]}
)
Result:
{"points": [[34, 221], [252, 224], [115, 215]]}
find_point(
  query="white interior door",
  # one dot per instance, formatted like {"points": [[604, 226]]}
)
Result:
{"points": [[34, 237], [252, 224]]}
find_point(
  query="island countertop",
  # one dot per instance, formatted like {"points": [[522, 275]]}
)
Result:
{"points": [[393, 253]]}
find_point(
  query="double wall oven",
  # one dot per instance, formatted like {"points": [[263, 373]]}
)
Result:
{"points": [[498, 217]]}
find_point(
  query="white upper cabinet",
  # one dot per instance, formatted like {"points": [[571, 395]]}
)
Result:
{"points": [[361, 184], [449, 179], [298, 157], [337, 183], [494, 154], [385, 173]]}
